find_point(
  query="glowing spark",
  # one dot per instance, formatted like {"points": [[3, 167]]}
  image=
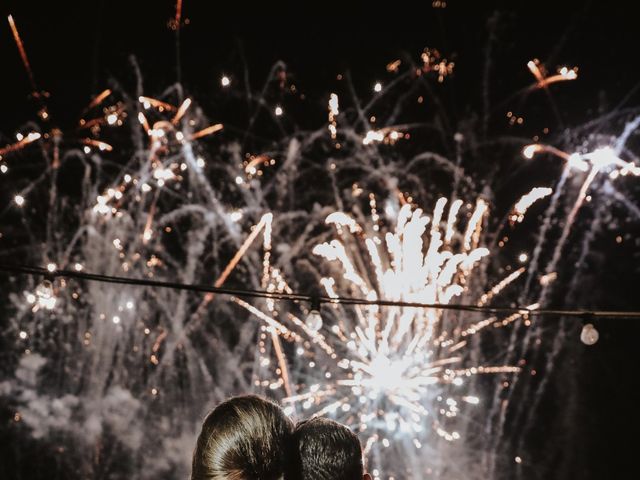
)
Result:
{"points": [[530, 150], [522, 205], [486, 298], [22, 142], [548, 278], [385, 135], [539, 72], [373, 136], [178, 18], [161, 173], [451, 220], [535, 68], [333, 112], [474, 227], [23, 53], [393, 66], [341, 219], [206, 131], [181, 111], [225, 81], [263, 224], [152, 102], [251, 166], [99, 99], [19, 199], [271, 323], [102, 146], [444, 69]]}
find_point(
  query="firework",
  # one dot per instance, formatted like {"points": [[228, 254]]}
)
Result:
{"points": [[540, 73], [392, 373], [407, 379]]}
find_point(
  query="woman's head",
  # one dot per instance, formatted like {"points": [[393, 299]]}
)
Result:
{"points": [[243, 438]]}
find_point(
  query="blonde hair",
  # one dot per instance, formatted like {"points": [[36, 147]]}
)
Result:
{"points": [[243, 438]]}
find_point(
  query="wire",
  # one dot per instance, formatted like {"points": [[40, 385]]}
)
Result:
{"points": [[298, 297]]}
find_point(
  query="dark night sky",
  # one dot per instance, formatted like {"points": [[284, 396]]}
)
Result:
{"points": [[75, 46]]}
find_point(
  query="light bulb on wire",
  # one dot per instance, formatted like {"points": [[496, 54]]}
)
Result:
{"points": [[589, 334], [314, 319]]}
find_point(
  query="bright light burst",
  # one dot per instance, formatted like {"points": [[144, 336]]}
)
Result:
{"points": [[389, 372]]}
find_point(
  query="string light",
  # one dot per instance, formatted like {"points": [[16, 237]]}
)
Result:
{"points": [[297, 297]]}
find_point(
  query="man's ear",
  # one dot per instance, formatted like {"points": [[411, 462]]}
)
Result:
{"points": [[366, 476]]}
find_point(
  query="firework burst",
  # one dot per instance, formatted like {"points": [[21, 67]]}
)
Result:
{"points": [[395, 374]]}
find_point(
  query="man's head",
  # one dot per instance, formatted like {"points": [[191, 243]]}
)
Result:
{"points": [[325, 450]]}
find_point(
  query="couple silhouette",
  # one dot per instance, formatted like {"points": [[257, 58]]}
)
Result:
{"points": [[251, 438]]}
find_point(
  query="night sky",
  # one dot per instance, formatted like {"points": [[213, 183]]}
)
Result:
{"points": [[76, 47]]}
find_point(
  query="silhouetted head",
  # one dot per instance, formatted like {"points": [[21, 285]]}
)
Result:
{"points": [[243, 438], [322, 449]]}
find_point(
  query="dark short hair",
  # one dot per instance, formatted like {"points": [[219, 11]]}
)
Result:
{"points": [[243, 438], [322, 449]]}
